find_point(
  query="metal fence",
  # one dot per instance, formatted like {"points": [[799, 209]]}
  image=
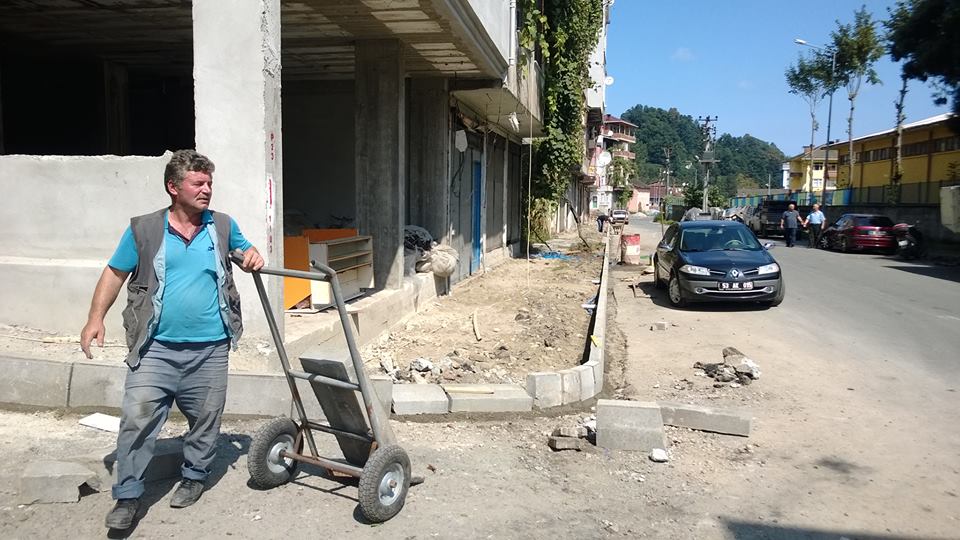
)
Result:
{"points": [[913, 193]]}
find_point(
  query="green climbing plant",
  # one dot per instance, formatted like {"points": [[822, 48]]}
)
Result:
{"points": [[566, 32]]}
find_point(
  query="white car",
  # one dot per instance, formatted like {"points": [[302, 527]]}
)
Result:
{"points": [[620, 216]]}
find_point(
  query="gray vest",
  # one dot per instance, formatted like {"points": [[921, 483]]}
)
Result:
{"points": [[146, 284]]}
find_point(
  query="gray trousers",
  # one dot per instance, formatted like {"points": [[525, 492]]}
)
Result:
{"points": [[194, 375]]}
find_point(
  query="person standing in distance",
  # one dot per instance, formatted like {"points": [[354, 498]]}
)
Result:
{"points": [[182, 316], [814, 220], [789, 222]]}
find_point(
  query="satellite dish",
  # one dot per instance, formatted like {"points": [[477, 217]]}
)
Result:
{"points": [[604, 159], [608, 80]]}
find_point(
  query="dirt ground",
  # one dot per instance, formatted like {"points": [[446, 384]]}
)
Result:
{"points": [[529, 317], [836, 452]]}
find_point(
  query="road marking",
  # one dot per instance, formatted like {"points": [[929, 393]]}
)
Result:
{"points": [[948, 317]]}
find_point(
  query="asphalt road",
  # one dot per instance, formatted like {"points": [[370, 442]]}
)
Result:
{"points": [[875, 307], [859, 398]]}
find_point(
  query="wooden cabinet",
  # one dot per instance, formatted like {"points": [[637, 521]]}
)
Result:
{"points": [[351, 258]]}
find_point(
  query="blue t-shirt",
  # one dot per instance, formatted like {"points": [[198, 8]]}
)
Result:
{"points": [[191, 311], [815, 218]]}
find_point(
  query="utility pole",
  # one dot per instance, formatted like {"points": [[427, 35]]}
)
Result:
{"points": [[708, 132]]}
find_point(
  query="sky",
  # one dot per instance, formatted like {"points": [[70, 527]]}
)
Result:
{"points": [[727, 59]]}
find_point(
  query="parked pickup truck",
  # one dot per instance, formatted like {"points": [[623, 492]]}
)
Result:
{"points": [[765, 220]]}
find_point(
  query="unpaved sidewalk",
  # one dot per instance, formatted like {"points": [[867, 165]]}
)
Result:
{"points": [[528, 316]]}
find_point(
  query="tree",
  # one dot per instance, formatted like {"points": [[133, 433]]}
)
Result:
{"points": [[693, 195], [807, 79], [858, 48], [923, 34]]}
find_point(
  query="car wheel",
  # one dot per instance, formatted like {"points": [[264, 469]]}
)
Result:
{"points": [[824, 242], [675, 292], [657, 280]]}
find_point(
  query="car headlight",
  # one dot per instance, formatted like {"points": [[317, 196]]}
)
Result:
{"points": [[771, 268], [695, 270]]}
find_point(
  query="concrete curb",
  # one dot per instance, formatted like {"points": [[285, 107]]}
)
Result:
{"points": [[89, 385]]}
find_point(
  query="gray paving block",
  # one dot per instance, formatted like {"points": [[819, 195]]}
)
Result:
{"points": [[725, 421], [166, 462], [588, 387], [420, 399], [40, 383], [54, 482], [505, 398], [597, 368], [629, 425], [257, 394], [546, 389], [383, 386], [97, 385], [570, 386]]}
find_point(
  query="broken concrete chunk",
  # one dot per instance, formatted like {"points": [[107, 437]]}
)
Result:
{"points": [[565, 443], [749, 368], [577, 432], [660, 325], [421, 364], [55, 482], [659, 455]]}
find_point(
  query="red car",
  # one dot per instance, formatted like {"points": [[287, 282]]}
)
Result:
{"points": [[860, 232]]}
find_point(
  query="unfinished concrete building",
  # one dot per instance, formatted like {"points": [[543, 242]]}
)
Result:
{"points": [[370, 114]]}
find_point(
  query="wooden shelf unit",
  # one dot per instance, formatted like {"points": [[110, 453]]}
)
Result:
{"points": [[352, 258]]}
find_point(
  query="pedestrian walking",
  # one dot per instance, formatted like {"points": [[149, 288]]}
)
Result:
{"points": [[601, 221], [789, 222], [814, 221], [182, 316]]}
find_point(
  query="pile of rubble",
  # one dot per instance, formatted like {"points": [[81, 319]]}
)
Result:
{"points": [[735, 369], [459, 366]]}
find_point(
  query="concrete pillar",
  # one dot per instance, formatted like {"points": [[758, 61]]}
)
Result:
{"points": [[429, 142], [379, 110], [236, 69]]}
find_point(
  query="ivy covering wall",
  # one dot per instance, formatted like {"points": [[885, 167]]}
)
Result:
{"points": [[565, 32]]}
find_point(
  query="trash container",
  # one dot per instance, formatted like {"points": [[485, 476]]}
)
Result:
{"points": [[630, 249]]}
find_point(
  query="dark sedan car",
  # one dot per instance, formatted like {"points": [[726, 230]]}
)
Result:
{"points": [[704, 261], [860, 232]]}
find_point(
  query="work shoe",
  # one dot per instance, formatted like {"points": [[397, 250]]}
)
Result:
{"points": [[186, 494], [121, 517]]}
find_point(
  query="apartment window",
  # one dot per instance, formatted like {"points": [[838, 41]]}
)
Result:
{"points": [[818, 166], [817, 183], [832, 167]]}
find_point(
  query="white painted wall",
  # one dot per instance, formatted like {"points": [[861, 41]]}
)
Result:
{"points": [[63, 220], [597, 91], [495, 16]]}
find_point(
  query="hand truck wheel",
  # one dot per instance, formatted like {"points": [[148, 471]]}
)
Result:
{"points": [[267, 469], [384, 483]]}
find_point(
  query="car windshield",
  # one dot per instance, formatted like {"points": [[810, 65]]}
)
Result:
{"points": [[874, 221], [718, 238]]}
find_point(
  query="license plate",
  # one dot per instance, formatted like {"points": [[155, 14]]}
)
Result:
{"points": [[724, 286], [903, 242]]}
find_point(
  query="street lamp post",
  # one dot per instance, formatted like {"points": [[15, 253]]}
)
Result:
{"points": [[833, 72]]}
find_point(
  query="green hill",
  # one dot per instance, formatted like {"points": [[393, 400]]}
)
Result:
{"points": [[745, 161]]}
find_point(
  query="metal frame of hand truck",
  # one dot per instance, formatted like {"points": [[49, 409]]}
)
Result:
{"points": [[385, 477]]}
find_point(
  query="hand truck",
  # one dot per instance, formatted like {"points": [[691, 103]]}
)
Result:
{"points": [[367, 440]]}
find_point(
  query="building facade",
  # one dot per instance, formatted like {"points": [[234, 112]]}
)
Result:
{"points": [[930, 158], [804, 175], [375, 116]]}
